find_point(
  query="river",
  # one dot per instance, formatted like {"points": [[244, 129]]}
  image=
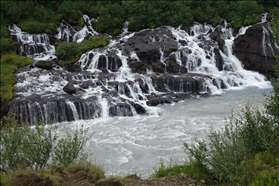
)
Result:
{"points": [[137, 145]]}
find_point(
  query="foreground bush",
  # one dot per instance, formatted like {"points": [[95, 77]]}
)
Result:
{"points": [[38, 147]]}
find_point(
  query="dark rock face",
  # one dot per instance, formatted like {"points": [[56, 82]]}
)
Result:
{"points": [[44, 64], [149, 44], [256, 51], [70, 88]]}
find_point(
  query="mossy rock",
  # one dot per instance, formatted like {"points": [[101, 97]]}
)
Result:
{"points": [[44, 64]]}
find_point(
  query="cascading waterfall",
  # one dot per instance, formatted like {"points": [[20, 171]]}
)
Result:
{"points": [[130, 75], [31, 45]]}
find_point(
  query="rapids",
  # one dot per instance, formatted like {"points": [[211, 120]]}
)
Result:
{"points": [[137, 145]]}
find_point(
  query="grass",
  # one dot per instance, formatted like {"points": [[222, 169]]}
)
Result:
{"points": [[189, 168], [10, 62], [82, 171]]}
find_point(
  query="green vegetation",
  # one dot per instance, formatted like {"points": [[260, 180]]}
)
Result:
{"points": [[70, 52], [35, 147], [10, 62], [140, 14], [39, 149], [274, 23]]}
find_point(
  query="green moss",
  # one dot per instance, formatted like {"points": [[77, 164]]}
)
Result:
{"points": [[10, 62], [266, 177], [154, 65], [70, 52]]}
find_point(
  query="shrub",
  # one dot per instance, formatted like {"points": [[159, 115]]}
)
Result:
{"points": [[7, 45], [229, 149], [70, 148], [37, 147], [33, 26]]}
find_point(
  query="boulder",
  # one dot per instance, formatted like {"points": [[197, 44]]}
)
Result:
{"points": [[70, 88], [256, 50], [149, 45], [44, 64], [218, 35]]}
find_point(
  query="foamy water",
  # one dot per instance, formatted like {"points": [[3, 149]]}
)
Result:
{"points": [[128, 145]]}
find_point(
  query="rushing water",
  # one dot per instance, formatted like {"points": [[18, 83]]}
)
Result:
{"points": [[128, 145]]}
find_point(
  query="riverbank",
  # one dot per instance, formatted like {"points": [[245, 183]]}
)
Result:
{"points": [[78, 178]]}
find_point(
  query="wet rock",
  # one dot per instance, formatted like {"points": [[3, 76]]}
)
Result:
{"points": [[219, 60], [149, 44], [72, 68], [44, 64], [256, 50], [137, 66], [70, 88], [139, 109], [120, 109], [172, 67], [219, 36]]}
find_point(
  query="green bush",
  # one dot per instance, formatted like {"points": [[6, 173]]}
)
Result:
{"points": [[33, 26], [8, 45], [239, 142], [70, 148], [37, 147], [70, 11]]}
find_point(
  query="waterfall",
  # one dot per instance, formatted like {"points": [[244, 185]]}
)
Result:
{"points": [[131, 75], [31, 45]]}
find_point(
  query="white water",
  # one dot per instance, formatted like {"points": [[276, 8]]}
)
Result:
{"points": [[136, 145]]}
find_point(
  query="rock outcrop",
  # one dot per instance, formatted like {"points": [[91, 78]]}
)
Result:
{"points": [[70, 88], [256, 51]]}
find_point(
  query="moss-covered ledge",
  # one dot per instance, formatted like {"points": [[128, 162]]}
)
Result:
{"points": [[69, 53], [10, 62]]}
